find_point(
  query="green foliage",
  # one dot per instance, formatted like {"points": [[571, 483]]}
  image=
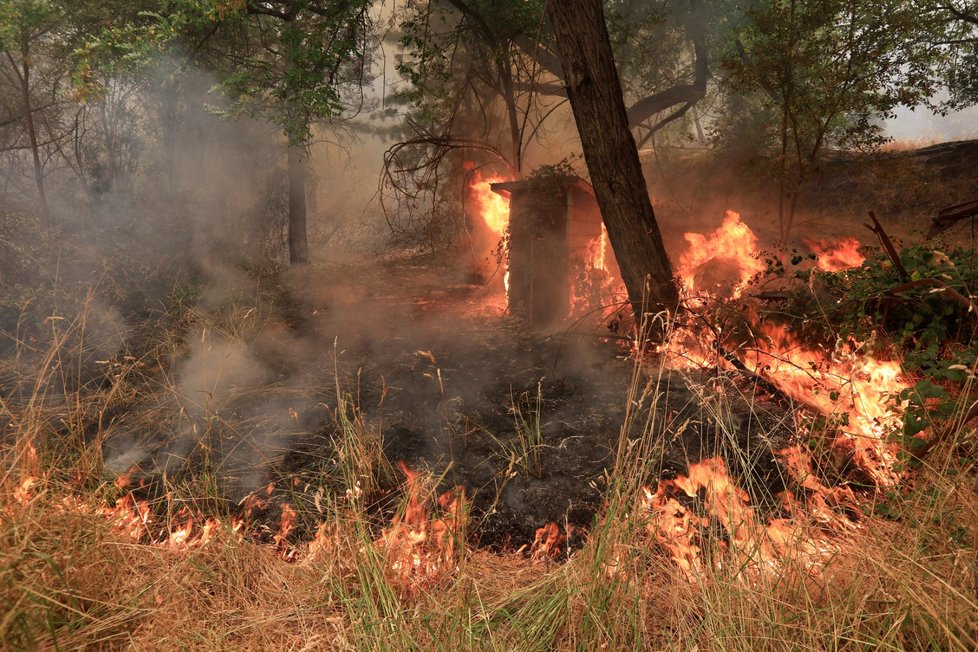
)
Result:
{"points": [[289, 66], [934, 333], [960, 36], [872, 306], [834, 66], [803, 77]]}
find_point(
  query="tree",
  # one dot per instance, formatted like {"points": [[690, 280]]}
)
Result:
{"points": [[456, 49], [825, 72], [44, 114], [485, 80], [961, 38], [611, 155], [287, 61], [25, 28]]}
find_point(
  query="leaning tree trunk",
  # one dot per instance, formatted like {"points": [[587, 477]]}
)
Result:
{"points": [[298, 243], [612, 159]]}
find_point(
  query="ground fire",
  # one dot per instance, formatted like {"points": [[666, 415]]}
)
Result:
{"points": [[488, 325]]}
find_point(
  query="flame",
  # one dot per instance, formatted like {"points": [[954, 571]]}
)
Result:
{"points": [[493, 209], [130, 516], [420, 547], [286, 525], [181, 535], [490, 206], [679, 530], [732, 244], [849, 387], [596, 284], [852, 389], [547, 541], [836, 256], [598, 251]]}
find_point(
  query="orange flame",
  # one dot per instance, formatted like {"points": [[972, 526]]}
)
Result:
{"points": [[286, 525], [491, 207], [547, 541], [855, 388], [836, 256], [420, 547], [679, 529], [732, 245], [852, 389], [130, 516]]}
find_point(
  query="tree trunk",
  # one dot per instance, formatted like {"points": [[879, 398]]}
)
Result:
{"points": [[25, 89], [515, 133], [298, 244], [612, 159]]}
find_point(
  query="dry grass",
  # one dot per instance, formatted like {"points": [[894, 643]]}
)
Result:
{"points": [[904, 579], [68, 581]]}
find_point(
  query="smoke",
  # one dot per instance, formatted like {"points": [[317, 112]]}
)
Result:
{"points": [[921, 125]]}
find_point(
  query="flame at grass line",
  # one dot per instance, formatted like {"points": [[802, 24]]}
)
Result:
{"points": [[850, 389], [419, 547], [749, 544]]}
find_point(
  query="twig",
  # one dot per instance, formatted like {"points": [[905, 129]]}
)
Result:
{"points": [[891, 251], [940, 286]]}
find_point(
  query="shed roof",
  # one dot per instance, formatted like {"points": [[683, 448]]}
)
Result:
{"points": [[505, 188]]}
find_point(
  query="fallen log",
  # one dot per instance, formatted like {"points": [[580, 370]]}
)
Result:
{"points": [[948, 217]]}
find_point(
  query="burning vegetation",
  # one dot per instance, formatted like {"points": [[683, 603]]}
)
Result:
{"points": [[504, 400], [756, 456]]}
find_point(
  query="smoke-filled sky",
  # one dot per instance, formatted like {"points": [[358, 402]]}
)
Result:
{"points": [[923, 125]]}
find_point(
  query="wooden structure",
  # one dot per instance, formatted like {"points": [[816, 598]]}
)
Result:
{"points": [[554, 224]]}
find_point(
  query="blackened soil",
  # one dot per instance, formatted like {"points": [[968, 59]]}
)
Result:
{"points": [[433, 363], [436, 363]]}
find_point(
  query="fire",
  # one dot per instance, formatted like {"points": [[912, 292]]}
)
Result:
{"points": [[711, 259], [130, 516], [836, 256], [420, 547], [852, 389], [678, 528], [286, 525], [547, 541], [848, 387], [491, 207], [598, 251]]}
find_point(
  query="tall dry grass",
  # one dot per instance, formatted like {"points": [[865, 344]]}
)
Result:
{"points": [[902, 578]]}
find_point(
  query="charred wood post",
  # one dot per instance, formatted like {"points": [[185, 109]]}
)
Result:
{"points": [[551, 226]]}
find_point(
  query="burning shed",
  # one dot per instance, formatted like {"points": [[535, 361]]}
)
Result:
{"points": [[558, 256]]}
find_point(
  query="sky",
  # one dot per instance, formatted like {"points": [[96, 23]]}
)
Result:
{"points": [[922, 125]]}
